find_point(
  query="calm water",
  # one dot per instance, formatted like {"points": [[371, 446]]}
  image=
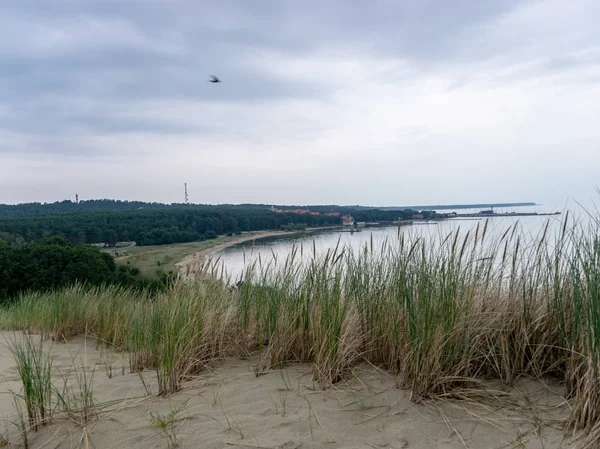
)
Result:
{"points": [[236, 258]]}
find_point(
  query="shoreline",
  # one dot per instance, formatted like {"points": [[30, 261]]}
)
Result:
{"points": [[242, 238], [185, 266]]}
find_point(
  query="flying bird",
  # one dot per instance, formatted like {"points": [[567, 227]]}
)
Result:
{"points": [[214, 79]]}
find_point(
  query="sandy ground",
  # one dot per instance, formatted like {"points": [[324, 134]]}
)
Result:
{"points": [[228, 406]]}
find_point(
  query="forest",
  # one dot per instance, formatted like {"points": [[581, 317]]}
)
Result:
{"points": [[67, 206], [169, 225], [54, 262], [153, 227], [109, 205]]}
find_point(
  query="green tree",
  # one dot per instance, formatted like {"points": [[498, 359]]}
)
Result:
{"points": [[110, 237]]}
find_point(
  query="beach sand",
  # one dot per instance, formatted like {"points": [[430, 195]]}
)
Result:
{"points": [[228, 406]]}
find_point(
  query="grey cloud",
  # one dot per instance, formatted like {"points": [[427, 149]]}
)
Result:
{"points": [[69, 68], [207, 39]]}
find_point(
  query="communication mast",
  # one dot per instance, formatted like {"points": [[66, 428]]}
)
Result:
{"points": [[186, 195], [76, 198]]}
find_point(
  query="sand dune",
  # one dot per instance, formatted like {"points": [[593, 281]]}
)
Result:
{"points": [[230, 407]]}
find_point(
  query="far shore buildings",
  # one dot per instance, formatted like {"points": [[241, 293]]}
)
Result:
{"points": [[347, 220]]}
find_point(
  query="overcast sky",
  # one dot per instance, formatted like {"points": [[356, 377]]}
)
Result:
{"points": [[390, 102]]}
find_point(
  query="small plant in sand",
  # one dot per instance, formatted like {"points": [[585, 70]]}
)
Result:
{"points": [[3, 440], [281, 402], [21, 423], [35, 370], [167, 424], [107, 356], [77, 396]]}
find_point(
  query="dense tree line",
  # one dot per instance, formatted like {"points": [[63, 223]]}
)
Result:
{"points": [[106, 205], [54, 262], [360, 213], [110, 221], [154, 227], [67, 206]]}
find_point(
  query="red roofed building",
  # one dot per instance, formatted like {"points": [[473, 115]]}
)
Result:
{"points": [[347, 220]]}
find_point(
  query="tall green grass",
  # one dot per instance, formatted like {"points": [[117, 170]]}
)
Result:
{"points": [[34, 366], [441, 314]]}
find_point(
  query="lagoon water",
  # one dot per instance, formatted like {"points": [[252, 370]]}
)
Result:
{"points": [[234, 259]]}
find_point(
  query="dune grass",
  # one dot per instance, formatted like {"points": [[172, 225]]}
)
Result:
{"points": [[40, 396], [35, 370], [440, 315]]}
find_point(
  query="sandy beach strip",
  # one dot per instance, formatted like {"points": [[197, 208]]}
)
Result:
{"points": [[187, 264]]}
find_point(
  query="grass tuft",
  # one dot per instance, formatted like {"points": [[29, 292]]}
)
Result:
{"points": [[34, 366], [167, 424]]}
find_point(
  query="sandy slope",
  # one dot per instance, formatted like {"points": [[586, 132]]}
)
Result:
{"points": [[229, 407]]}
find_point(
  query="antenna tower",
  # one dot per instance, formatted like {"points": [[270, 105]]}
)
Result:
{"points": [[186, 195], [76, 198]]}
